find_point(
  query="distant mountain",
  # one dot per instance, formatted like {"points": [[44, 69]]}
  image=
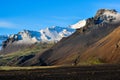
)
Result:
{"points": [[52, 34], [26, 38]]}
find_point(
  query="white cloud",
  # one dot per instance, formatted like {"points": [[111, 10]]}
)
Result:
{"points": [[6, 24]]}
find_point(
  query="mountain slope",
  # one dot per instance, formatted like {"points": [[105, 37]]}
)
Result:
{"points": [[107, 49], [69, 50]]}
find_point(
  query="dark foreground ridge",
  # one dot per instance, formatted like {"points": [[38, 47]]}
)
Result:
{"points": [[106, 72]]}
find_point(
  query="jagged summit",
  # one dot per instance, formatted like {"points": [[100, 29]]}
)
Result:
{"points": [[103, 16], [102, 11], [108, 16]]}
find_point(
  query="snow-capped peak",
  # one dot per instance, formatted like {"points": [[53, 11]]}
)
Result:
{"points": [[52, 34], [55, 33], [109, 16], [78, 25]]}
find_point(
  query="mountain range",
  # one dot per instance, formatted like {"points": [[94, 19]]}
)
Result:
{"points": [[27, 37], [95, 41]]}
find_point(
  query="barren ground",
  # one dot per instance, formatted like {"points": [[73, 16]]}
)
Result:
{"points": [[106, 72]]}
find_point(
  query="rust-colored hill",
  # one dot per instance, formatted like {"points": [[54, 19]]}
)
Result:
{"points": [[107, 49]]}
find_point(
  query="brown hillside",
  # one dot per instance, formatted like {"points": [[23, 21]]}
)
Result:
{"points": [[106, 50]]}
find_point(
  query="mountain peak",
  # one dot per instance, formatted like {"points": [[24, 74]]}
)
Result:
{"points": [[102, 16], [107, 16], [101, 11]]}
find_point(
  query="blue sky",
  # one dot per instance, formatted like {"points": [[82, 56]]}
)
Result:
{"points": [[16, 15]]}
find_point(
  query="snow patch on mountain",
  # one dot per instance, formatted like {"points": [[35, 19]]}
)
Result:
{"points": [[78, 25]]}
